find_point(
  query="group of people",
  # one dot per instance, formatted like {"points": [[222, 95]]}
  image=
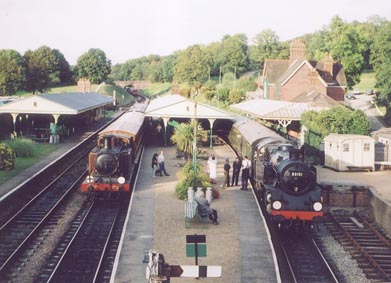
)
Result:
{"points": [[158, 165], [237, 166]]}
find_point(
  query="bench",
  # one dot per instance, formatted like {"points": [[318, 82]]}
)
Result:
{"points": [[191, 214]]}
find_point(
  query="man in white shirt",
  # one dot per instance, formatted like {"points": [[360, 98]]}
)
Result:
{"points": [[246, 165], [162, 166]]}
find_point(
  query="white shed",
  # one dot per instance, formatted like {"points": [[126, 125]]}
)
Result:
{"points": [[347, 152]]}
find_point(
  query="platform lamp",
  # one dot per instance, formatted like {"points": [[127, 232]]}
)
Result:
{"points": [[195, 136]]}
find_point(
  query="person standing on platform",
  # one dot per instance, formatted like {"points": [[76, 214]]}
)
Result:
{"points": [[162, 166], [212, 168], [227, 167], [246, 165], [235, 171], [154, 164]]}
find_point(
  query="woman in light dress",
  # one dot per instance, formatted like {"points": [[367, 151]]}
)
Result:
{"points": [[212, 168]]}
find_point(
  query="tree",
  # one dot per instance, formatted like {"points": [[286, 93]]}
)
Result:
{"points": [[233, 56], [267, 46], [338, 120], [191, 65], [45, 67], [93, 65], [349, 48], [12, 72], [381, 60]]}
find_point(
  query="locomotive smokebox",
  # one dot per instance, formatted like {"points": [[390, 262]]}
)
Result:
{"points": [[294, 154]]}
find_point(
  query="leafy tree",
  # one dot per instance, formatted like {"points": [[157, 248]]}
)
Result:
{"points": [[45, 67], [339, 120], [93, 65], [191, 65], [62, 71], [267, 46], [233, 55], [349, 47], [381, 60], [12, 72]]}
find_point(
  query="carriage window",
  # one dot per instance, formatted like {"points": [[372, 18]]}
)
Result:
{"points": [[345, 147], [366, 147]]}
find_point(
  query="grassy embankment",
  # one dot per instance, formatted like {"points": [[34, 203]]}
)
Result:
{"points": [[368, 81], [44, 149]]}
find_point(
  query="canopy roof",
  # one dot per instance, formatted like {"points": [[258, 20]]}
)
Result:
{"points": [[286, 110], [272, 109], [177, 106], [57, 103]]}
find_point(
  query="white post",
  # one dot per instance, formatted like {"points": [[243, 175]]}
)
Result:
{"points": [[190, 194], [199, 192], [209, 194]]}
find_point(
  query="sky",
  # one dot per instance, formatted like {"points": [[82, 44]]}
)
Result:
{"points": [[129, 29]]}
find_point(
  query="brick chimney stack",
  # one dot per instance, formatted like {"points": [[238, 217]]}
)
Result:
{"points": [[83, 85], [297, 51], [328, 68]]}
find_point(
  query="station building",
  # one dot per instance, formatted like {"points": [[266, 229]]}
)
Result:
{"points": [[44, 115]]}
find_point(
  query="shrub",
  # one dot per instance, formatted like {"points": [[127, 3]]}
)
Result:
{"points": [[7, 157], [22, 147], [188, 179]]}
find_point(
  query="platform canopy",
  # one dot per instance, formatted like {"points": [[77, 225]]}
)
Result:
{"points": [[177, 106], [57, 103]]}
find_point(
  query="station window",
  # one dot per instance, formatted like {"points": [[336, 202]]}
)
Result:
{"points": [[367, 146], [345, 147]]}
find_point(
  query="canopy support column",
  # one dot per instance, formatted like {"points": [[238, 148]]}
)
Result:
{"points": [[55, 117], [14, 116], [165, 122], [211, 122]]}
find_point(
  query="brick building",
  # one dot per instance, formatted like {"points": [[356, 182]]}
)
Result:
{"points": [[294, 78]]}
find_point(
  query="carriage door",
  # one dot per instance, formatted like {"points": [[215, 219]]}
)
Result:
{"points": [[358, 152]]}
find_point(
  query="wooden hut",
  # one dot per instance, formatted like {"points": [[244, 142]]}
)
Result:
{"points": [[349, 152]]}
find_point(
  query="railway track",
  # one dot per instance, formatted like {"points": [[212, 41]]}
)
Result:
{"points": [[82, 254], [23, 233], [366, 243], [304, 258]]}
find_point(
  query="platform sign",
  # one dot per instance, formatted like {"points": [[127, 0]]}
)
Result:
{"points": [[195, 246], [193, 239], [194, 271], [191, 250]]}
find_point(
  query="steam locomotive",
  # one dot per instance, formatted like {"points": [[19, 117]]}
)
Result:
{"points": [[112, 161], [280, 177]]}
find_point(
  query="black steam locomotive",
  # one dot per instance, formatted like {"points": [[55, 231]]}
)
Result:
{"points": [[279, 176], [111, 161]]}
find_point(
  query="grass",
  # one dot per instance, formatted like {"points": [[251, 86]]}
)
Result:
{"points": [[26, 162], [367, 81]]}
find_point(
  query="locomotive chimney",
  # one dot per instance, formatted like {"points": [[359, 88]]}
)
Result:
{"points": [[107, 143]]}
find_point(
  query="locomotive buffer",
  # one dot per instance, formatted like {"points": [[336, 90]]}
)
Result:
{"points": [[160, 271]]}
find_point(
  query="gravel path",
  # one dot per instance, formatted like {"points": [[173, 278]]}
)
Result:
{"points": [[170, 230]]}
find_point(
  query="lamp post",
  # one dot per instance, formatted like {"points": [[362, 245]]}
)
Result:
{"points": [[195, 137], [218, 94]]}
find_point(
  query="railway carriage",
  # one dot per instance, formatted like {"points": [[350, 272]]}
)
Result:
{"points": [[279, 176], [111, 161]]}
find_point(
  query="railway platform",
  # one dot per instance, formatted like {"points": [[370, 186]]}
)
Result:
{"points": [[240, 244]]}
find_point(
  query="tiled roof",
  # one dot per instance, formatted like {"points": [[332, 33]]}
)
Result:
{"points": [[317, 100], [272, 109]]}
